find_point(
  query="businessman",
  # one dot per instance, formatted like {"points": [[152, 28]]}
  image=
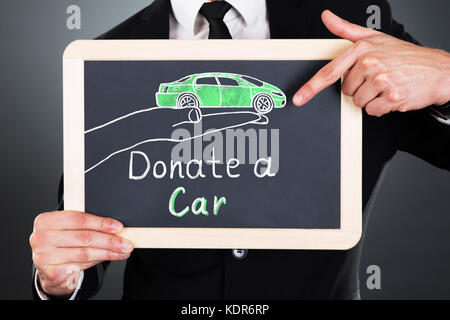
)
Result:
{"points": [[388, 75]]}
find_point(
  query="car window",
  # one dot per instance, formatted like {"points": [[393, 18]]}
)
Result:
{"points": [[207, 80], [228, 82], [254, 81], [183, 79]]}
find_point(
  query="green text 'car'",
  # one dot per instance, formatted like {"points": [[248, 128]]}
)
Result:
{"points": [[215, 89]]}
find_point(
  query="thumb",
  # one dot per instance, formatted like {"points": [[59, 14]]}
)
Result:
{"points": [[344, 29]]}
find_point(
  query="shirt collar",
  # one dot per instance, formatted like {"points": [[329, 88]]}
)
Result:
{"points": [[186, 11], [248, 9]]}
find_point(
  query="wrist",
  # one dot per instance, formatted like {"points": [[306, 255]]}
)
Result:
{"points": [[60, 292]]}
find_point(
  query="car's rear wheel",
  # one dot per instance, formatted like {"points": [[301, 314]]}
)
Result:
{"points": [[263, 103], [187, 100]]}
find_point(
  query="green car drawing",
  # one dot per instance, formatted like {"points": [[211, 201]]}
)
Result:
{"points": [[215, 89]]}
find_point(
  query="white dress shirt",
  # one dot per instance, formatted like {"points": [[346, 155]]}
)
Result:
{"points": [[247, 19]]}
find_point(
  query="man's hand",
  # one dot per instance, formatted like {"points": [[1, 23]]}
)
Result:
{"points": [[384, 73], [66, 242]]}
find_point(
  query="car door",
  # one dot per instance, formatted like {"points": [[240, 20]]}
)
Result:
{"points": [[207, 90], [233, 93]]}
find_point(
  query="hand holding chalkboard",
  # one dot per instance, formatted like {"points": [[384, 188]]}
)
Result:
{"points": [[66, 242]]}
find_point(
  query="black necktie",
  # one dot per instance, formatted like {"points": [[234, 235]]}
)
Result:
{"points": [[214, 13]]}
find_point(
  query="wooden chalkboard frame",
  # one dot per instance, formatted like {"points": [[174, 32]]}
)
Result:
{"points": [[114, 50]]}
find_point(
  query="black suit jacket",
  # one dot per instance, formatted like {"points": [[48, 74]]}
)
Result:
{"points": [[277, 274]]}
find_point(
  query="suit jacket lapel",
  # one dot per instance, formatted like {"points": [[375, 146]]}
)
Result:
{"points": [[288, 19], [155, 20], [151, 22]]}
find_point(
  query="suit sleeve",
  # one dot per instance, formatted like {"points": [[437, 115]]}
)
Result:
{"points": [[398, 31], [422, 135], [93, 277], [418, 132]]}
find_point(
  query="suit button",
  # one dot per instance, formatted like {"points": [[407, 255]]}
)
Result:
{"points": [[239, 254]]}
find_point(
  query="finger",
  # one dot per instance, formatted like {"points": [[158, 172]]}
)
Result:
{"points": [[371, 89], [364, 69], [76, 255], [389, 101], [79, 238], [72, 220], [344, 29], [366, 93], [377, 107], [328, 75]]}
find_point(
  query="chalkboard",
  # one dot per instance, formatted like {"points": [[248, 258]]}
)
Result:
{"points": [[205, 149]]}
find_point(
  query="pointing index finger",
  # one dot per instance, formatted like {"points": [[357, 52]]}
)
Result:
{"points": [[328, 75]]}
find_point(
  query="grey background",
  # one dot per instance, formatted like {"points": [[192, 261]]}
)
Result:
{"points": [[408, 234]]}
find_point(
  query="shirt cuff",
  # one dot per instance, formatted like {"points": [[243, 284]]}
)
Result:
{"points": [[42, 294], [441, 114]]}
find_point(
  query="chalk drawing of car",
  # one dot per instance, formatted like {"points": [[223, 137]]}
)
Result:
{"points": [[225, 90]]}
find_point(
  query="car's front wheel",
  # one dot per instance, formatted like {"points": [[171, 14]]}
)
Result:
{"points": [[263, 103], [187, 100]]}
